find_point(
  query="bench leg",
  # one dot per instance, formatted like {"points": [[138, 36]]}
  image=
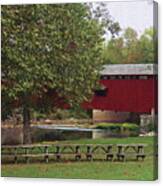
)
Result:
{"points": [[15, 159], [58, 157], [27, 159], [140, 156], [46, 158], [109, 157], [121, 157], [89, 157], [78, 157]]}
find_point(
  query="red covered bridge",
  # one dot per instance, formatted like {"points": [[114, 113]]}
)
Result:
{"points": [[127, 88]]}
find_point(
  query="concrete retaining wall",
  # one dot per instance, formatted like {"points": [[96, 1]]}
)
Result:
{"points": [[115, 117]]}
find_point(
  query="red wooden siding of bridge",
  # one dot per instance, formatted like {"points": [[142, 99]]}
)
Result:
{"points": [[131, 95]]}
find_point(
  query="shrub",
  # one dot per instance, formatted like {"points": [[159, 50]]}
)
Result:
{"points": [[151, 127], [130, 129], [123, 129], [38, 115], [79, 113], [109, 126], [59, 114]]}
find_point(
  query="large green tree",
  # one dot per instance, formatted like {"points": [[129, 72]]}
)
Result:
{"points": [[50, 47]]}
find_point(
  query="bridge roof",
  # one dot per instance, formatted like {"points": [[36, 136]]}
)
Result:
{"points": [[130, 69]]}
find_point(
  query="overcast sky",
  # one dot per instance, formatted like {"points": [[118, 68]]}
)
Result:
{"points": [[136, 14]]}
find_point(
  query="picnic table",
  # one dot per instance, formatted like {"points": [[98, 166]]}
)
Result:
{"points": [[88, 152], [138, 150]]}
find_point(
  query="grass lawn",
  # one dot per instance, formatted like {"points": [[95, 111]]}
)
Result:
{"points": [[90, 170]]}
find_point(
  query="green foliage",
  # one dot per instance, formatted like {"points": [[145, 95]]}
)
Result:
{"points": [[152, 127], [109, 126], [6, 108], [76, 113], [148, 44], [129, 48], [130, 36], [40, 51], [79, 113], [51, 47], [129, 129], [38, 115], [59, 114]]}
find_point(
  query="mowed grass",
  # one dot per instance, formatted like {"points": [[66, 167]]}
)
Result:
{"points": [[130, 170], [84, 170], [127, 140]]}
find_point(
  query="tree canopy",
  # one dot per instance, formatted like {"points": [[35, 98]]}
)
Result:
{"points": [[54, 47]]}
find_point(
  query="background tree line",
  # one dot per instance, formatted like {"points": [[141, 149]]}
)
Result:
{"points": [[130, 48]]}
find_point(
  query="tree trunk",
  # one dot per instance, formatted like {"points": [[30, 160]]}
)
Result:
{"points": [[26, 126]]}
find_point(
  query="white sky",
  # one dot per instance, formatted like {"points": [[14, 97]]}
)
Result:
{"points": [[136, 14]]}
